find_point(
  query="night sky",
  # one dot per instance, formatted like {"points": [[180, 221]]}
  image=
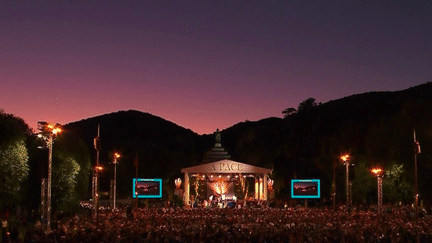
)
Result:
{"points": [[204, 64]]}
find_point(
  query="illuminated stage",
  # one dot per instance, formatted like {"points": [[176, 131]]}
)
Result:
{"points": [[220, 178]]}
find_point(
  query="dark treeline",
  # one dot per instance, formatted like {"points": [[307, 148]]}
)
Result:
{"points": [[375, 128]]}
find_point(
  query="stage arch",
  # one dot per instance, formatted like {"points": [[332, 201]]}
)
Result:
{"points": [[228, 170]]}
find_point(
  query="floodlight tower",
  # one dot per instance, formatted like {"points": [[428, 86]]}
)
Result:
{"points": [[116, 156], [379, 174], [50, 131], [346, 162]]}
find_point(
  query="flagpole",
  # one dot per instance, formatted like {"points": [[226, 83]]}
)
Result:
{"points": [[416, 151], [97, 177], [136, 178]]}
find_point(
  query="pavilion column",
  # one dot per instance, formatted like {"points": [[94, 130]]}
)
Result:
{"points": [[265, 192], [256, 188], [260, 188], [186, 196]]}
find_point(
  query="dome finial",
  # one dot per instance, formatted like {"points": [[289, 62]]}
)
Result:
{"points": [[218, 139]]}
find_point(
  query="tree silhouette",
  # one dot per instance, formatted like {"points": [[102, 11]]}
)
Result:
{"points": [[307, 105], [289, 111], [13, 158]]}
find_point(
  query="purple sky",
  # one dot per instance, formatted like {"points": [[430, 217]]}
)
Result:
{"points": [[204, 64]]}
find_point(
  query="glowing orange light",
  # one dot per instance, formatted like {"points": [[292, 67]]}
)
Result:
{"points": [[56, 130], [116, 155], [270, 183], [345, 157], [220, 187], [177, 182], [377, 171]]}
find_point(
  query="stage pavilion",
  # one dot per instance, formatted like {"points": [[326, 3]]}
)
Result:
{"points": [[219, 174]]}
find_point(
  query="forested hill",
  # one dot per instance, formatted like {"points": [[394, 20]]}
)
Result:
{"points": [[369, 106], [375, 128], [161, 147]]}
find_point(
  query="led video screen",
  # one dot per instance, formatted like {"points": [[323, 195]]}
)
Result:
{"points": [[147, 188], [305, 189]]}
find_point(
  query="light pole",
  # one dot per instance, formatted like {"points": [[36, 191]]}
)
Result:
{"points": [[95, 193], [116, 156], [97, 145], [346, 162], [379, 173], [51, 130], [334, 186], [416, 151], [136, 177]]}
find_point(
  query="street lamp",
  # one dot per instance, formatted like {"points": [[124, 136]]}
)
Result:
{"points": [[346, 162], [116, 156], [97, 169], [50, 130], [379, 173]]}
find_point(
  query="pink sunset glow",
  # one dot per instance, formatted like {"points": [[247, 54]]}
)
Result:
{"points": [[203, 65]]}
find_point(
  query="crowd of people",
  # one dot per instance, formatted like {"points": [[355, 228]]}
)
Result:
{"points": [[245, 224]]}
